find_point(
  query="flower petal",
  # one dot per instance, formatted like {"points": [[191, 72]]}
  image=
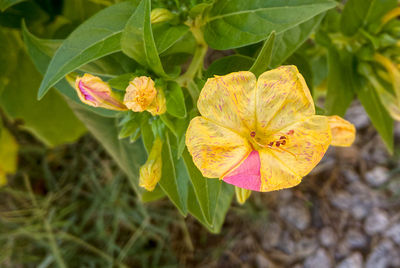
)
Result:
{"points": [[247, 174], [215, 149], [343, 132], [283, 98], [229, 101], [301, 147]]}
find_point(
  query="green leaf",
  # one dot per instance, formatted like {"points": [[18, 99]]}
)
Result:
{"points": [[264, 57], [175, 100], [206, 190], [129, 156], [341, 87], [287, 42], [97, 37], [223, 203], [173, 182], [4, 4], [170, 125], [166, 35], [229, 64], [154, 195], [128, 129], [51, 120], [137, 39], [359, 13], [378, 115], [146, 133], [236, 23], [40, 51]]}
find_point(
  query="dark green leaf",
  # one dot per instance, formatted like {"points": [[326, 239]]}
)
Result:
{"points": [[175, 100], [137, 39], [167, 35], [206, 190], [264, 57], [4, 4], [121, 82], [340, 82], [95, 38], [229, 64], [128, 129], [288, 42], [236, 23], [377, 113], [173, 182], [146, 133], [358, 13], [40, 51], [170, 125]]}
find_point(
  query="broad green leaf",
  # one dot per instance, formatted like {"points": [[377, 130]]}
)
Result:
{"points": [[51, 120], [97, 37], [341, 87], [229, 64], [137, 39], [359, 13], [4, 4], [185, 45], [264, 57], [9, 60], [223, 203], [287, 42], [378, 115], [129, 156], [236, 23], [128, 129], [167, 35], [40, 51], [168, 122], [175, 100], [206, 190], [173, 182]]}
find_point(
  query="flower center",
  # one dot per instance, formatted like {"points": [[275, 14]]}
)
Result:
{"points": [[275, 144]]}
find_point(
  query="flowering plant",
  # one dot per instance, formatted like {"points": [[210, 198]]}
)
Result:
{"points": [[140, 76]]}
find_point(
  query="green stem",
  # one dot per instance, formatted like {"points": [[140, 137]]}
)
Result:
{"points": [[196, 65]]}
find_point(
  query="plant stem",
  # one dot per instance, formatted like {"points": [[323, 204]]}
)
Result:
{"points": [[196, 65]]}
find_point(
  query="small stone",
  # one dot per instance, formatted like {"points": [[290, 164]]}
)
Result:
{"points": [[377, 176], [285, 195], [286, 243], [360, 210], [319, 259], [271, 235], [376, 222], [342, 250], [380, 255], [305, 247], [394, 233], [341, 200], [327, 236], [262, 261], [296, 214], [350, 175], [355, 260], [355, 239]]}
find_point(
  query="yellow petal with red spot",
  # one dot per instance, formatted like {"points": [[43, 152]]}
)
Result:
{"points": [[230, 101], [298, 149], [215, 149], [343, 132], [283, 98]]}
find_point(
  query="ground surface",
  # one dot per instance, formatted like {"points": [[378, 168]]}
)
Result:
{"points": [[73, 201]]}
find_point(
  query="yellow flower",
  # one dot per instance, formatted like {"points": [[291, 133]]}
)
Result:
{"points": [[94, 92], [261, 135], [159, 105], [342, 131], [150, 172], [141, 95]]}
